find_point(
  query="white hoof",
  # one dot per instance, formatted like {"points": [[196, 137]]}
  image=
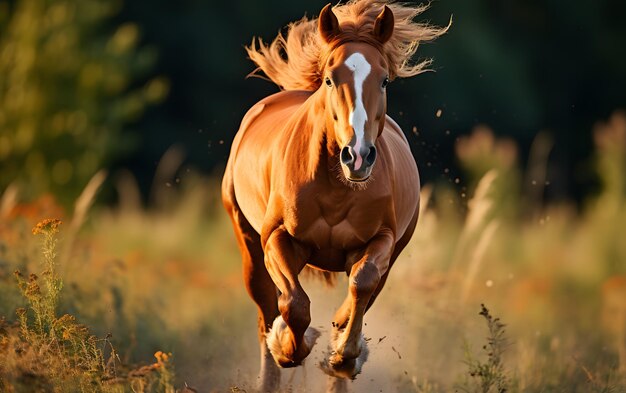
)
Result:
{"points": [[278, 334], [337, 366]]}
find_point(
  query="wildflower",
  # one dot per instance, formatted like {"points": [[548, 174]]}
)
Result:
{"points": [[162, 357], [47, 226]]}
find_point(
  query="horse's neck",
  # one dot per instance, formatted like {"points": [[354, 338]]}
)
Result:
{"points": [[313, 145]]}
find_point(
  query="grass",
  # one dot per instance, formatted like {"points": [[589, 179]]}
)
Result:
{"points": [[46, 352], [168, 279]]}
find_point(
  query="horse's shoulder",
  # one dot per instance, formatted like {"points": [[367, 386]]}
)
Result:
{"points": [[271, 103], [266, 108], [251, 115]]}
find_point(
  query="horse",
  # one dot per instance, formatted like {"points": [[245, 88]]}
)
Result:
{"points": [[319, 177]]}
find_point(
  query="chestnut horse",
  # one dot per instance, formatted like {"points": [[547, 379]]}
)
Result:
{"points": [[319, 176]]}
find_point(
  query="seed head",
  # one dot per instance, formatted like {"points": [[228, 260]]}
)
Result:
{"points": [[32, 289]]}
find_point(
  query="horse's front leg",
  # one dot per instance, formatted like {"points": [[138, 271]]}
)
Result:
{"points": [[349, 351], [290, 339]]}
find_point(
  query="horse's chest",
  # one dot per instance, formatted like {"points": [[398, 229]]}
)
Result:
{"points": [[334, 224]]}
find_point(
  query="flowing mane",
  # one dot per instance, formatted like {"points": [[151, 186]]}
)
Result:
{"points": [[294, 61]]}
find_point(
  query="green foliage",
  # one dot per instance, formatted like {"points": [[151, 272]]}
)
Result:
{"points": [[68, 86]]}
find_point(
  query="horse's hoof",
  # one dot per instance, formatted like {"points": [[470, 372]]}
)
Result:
{"points": [[339, 366], [279, 342], [347, 349]]}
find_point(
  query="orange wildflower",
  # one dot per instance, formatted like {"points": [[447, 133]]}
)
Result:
{"points": [[47, 226], [162, 357]]}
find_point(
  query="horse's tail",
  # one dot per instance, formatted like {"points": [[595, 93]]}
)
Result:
{"points": [[330, 278], [290, 61]]}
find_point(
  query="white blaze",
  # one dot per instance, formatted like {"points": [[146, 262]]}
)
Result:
{"points": [[361, 69]]}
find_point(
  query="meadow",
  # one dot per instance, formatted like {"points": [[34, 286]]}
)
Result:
{"points": [[151, 299]]}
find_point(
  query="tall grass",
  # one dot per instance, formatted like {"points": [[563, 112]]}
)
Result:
{"points": [[47, 352], [168, 278]]}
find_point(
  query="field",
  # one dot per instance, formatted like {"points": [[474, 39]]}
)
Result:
{"points": [[167, 280]]}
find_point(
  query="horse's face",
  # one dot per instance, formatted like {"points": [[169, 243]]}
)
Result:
{"points": [[355, 81]]}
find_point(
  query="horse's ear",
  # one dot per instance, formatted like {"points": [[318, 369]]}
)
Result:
{"points": [[328, 25], [383, 27]]}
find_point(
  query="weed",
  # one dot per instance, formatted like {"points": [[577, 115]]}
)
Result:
{"points": [[488, 376]]}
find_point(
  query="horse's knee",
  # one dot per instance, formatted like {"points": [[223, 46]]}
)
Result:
{"points": [[364, 280]]}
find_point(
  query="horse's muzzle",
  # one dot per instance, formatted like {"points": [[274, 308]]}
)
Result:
{"points": [[357, 166]]}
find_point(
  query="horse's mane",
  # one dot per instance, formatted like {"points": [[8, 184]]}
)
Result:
{"points": [[294, 61]]}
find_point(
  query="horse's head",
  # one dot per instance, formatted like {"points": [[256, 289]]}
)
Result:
{"points": [[355, 77]]}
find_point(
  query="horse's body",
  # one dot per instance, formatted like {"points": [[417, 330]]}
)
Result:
{"points": [[324, 216], [321, 177]]}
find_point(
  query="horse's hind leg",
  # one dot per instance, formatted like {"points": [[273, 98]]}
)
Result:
{"points": [[263, 291], [260, 288]]}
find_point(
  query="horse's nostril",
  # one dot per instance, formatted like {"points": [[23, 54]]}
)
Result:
{"points": [[371, 156], [346, 156]]}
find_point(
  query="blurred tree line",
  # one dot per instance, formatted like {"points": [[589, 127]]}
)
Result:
{"points": [[77, 78], [69, 85]]}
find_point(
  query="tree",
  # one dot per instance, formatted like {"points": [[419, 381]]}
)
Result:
{"points": [[68, 86]]}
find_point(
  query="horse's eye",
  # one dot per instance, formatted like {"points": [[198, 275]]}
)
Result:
{"points": [[385, 82], [329, 83]]}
